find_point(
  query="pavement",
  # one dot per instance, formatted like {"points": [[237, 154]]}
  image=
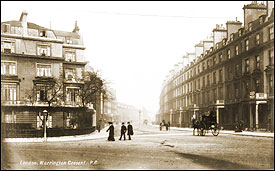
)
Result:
{"points": [[93, 135], [243, 133], [104, 134]]}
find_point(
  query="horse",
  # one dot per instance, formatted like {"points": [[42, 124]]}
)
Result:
{"points": [[196, 125]]}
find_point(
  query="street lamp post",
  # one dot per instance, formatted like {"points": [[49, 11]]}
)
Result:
{"points": [[171, 117], [45, 113], [180, 118]]}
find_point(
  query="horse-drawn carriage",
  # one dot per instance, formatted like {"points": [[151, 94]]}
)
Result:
{"points": [[205, 124]]}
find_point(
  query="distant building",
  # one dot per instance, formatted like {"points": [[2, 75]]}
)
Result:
{"points": [[234, 76], [110, 105], [126, 113]]}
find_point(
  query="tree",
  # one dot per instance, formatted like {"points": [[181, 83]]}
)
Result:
{"points": [[93, 87], [48, 91]]}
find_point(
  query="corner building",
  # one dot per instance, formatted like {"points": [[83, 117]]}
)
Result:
{"points": [[32, 57], [234, 77]]}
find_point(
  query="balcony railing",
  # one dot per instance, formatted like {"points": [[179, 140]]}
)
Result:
{"points": [[74, 80], [73, 104], [41, 104], [12, 102]]}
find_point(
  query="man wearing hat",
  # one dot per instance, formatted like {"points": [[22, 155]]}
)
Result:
{"points": [[130, 130], [123, 131]]}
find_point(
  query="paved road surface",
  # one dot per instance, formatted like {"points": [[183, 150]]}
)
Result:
{"points": [[148, 149]]}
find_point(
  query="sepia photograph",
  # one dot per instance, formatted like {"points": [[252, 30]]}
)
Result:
{"points": [[137, 85]]}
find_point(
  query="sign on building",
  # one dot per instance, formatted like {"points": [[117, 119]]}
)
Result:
{"points": [[252, 95]]}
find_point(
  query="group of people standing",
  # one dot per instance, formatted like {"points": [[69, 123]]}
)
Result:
{"points": [[167, 125], [123, 131]]}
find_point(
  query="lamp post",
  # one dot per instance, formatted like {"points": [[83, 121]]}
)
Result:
{"points": [[171, 117], [180, 118], [45, 113]]}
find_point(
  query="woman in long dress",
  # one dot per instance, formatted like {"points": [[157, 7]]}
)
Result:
{"points": [[111, 130]]}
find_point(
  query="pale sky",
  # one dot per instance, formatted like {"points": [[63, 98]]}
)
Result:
{"points": [[134, 43]]}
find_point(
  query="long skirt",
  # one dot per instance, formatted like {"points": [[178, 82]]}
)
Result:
{"points": [[111, 138]]}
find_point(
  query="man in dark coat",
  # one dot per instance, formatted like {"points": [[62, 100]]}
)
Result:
{"points": [[111, 130], [123, 131], [130, 130]]}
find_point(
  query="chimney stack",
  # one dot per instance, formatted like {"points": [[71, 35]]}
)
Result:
{"points": [[198, 49], [219, 33], [252, 12], [269, 7], [232, 27], [23, 20]]}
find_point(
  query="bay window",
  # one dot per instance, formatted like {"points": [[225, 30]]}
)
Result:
{"points": [[43, 92]]}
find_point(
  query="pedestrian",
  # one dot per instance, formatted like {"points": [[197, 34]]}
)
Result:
{"points": [[123, 131], [130, 130], [98, 128], [111, 130], [168, 126]]}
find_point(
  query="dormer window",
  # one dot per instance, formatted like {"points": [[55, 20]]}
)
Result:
{"points": [[6, 28], [8, 46], [42, 33], [69, 40]]}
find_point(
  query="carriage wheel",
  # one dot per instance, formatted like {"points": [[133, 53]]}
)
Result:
{"points": [[198, 131], [215, 131], [202, 132]]}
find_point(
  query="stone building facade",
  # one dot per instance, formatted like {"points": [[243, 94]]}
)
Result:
{"points": [[32, 57], [234, 77]]}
